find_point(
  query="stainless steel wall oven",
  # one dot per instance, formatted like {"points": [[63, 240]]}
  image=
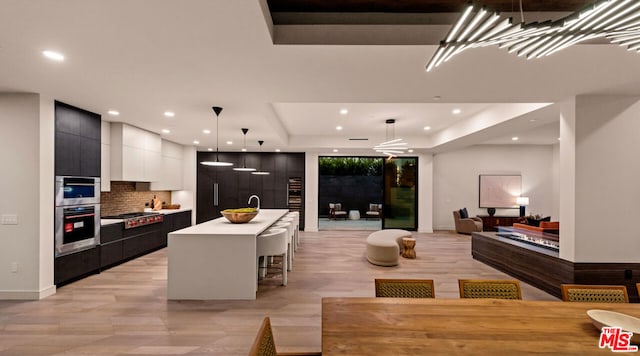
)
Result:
{"points": [[77, 214]]}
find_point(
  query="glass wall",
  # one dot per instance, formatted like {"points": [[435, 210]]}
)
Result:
{"points": [[400, 207]]}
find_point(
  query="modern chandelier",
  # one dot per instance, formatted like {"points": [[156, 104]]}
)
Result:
{"points": [[217, 110], [616, 20], [392, 147]]}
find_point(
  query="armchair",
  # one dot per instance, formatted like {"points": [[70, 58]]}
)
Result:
{"points": [[467, 225], [335, 211], [374, 212]]}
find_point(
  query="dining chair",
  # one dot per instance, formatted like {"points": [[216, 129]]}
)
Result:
{"points": [[264, 344], [405, 288], [485, 288], [594, 293], [638, 288]]}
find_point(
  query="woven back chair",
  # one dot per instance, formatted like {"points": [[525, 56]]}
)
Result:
{"points": [[498, 289], [638, 288], [405, 288], [264, 345], [594, 293]]}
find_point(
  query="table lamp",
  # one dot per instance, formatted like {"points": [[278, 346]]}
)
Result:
{"points": [[523, 202]]}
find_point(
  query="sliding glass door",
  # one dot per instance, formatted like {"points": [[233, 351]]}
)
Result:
{"points": [[400, 208]]}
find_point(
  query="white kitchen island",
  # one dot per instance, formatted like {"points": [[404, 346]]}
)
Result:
{"points": [[216, 259]]}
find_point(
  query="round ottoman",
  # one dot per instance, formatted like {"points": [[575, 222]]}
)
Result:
{"points": [[384, 246]]}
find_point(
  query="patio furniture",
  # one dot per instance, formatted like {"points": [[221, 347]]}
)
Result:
{"points": [[484, 288], [354, 215], [594, 293], [405, 288], [335, 211], [374, 212]]}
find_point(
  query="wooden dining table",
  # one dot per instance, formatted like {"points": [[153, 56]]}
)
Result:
{"points": [[407, 326]]}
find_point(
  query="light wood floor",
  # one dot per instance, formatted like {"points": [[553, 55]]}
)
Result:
{"points": [[124, 311]]}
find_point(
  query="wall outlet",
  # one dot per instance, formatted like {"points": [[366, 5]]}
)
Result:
{"points": [[9, 219], [14, 267]]}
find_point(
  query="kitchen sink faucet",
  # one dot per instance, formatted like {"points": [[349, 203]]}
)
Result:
{"points": [[257, 197]]}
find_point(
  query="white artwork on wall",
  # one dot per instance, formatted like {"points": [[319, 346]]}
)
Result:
{"points": [[500, 191]]}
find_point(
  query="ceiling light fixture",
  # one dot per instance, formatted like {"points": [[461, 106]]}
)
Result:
{"points": [[344, 111], [217, 110], [206, 132], [244, 167], [515, 138], [166, 131], [53, 55], [335, 150], [427, 128], [392, 147], [196, 142], [209, 149], [169, 114], [261, 172], [277, 150], [113, 112], [456, 111], [339, 128], [616, 20]]}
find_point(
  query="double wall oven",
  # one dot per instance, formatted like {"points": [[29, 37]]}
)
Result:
{"points": [[77, 214]]}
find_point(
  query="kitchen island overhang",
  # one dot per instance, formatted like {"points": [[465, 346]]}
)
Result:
{"points": [[216, 260]]}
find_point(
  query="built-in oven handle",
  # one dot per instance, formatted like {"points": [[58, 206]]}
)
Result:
{"points": [[287, 194], [82, 184], [78, 216], [215, 194]]}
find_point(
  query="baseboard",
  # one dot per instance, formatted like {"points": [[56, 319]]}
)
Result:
{"points": [[310, 229], [27, 295]]}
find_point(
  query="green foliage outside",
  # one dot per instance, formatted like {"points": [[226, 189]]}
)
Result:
{"points": [[350, 166]]}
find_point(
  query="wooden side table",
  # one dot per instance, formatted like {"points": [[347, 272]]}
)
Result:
{"points": [[408, 243]]}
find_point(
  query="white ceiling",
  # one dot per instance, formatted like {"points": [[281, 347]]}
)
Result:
{"points": [[143, 57]]}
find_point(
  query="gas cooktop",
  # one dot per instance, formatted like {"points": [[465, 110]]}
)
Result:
{"points": [[137, 219]]}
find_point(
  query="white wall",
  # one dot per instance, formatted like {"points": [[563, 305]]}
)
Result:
{"points": [[607, 179], [455, 182], [27, 184], [425, 193], [311, 192]]}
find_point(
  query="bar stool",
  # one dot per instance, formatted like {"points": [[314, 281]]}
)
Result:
{"points": [[296, 219], [288, 225], [294, 229], [273, 242]]}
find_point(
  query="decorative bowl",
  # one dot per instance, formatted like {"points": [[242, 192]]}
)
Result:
{"points": [[601, 318], [239, 218]]}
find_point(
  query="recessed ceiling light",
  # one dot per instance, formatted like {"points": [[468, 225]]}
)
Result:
{"points": [[244, 150], [514, 138], [56, 56], [205, 131], [338, 127], [558, 138], [437, 97], [166, 131], [344, 111], [195, 142], [427, 128], [229, 142], [410, 151], [277, 150], [209, 149], [169, 114], [113, 112], [533, 120], [456, 111], [335, 150]]}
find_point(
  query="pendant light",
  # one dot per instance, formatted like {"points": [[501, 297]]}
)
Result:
{"points": [[394, 146], [244, 167], [261, 172], [217, 163]]}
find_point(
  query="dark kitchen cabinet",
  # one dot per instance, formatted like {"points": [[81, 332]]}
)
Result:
{"points": [[77, 141], [111, 244], [74, 266], [235, 188], [175, 221]]}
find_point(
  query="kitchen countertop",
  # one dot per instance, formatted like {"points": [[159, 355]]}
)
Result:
{"points": [[104, 222]]}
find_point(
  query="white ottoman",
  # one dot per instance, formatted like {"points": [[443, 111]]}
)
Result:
{"points": [[354, 214], [384, 246]]}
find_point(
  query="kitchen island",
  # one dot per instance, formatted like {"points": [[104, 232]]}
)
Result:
{"points": [[216, 259]]}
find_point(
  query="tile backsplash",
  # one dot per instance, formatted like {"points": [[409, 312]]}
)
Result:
{"points": [[123, 198]]}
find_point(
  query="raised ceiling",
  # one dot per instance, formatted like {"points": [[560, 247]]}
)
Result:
{"points": [[144, 57]]}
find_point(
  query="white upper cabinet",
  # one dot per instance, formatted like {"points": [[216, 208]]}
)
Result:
{"points": [[136, 154], [171, 171]]}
